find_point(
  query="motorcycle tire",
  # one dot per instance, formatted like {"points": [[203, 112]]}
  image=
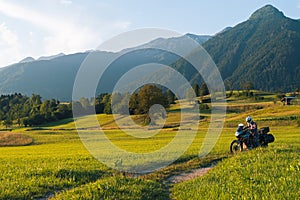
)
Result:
{"points": [[236, 146]]}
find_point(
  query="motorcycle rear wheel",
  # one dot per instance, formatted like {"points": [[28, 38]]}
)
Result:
{"points": [[236, 146]]}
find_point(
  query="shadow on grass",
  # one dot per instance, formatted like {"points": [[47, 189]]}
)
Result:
{"points": [[80, 176]]}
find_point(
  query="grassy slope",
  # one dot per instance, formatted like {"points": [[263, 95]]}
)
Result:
{"points": [[272, 173], [117, 187], [58, 161], [55, 162]]}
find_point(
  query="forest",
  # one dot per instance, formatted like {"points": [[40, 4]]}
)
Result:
{"points": [[29, 111]]}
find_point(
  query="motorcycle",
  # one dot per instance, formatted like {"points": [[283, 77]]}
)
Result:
{"points": [[245, 140]]}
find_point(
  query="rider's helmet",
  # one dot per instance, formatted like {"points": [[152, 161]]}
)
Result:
{"points": [[248, 119]]}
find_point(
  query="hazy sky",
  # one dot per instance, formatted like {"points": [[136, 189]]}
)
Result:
{"points": [[47, 27]]}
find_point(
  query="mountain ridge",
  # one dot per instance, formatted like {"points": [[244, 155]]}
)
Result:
{"points": [[263, 49], [267, 11]]}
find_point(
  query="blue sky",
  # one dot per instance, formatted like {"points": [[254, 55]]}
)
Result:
{"points": [[47, 27]]}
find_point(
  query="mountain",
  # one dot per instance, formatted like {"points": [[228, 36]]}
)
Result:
{"points": [[50, 57], [27, 59], [53, 77], [224, 30], [31, 59], [50, 78], [199, 38], [264, 49], [174, 42]]}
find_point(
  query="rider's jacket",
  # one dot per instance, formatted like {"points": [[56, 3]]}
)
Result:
{"points": [[253, 126]]}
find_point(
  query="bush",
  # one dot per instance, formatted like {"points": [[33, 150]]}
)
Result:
{"points": [[259, 98], [203, 106], [298, 122]]}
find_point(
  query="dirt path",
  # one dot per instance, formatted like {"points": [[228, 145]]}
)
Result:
{"points": [[190, 175], [185, 176]]}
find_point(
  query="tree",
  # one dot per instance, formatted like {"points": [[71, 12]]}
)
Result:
{"points": [[107, 108], [107, 104], [63, 111], [48, 109], [99, 105], [170, 96], [29, 111], [120, 103], [196, 89], [17, 113], [133, 104], [78, 110], [248, 86], [35, 100], [190, 95], [203, 90], [229, 86], [85, 103], [7, 122], [150, 95]]}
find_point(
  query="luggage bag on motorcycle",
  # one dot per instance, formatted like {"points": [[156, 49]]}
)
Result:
{"points": [[270, 138], [264, 130]]}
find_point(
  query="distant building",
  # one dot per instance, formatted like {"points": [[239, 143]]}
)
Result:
{"points": [[287, 100]]}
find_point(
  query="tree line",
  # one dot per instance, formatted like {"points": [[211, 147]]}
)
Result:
{"points": [[138, 103], [31, 111], [124, 103]]}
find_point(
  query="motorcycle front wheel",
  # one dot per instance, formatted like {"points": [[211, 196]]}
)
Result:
{"points": [[236, 146]]}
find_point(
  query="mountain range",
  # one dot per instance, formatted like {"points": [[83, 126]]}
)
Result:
{"points": [[264, 50]]}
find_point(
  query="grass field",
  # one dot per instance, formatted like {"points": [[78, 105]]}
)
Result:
{"points": [[271, 173], [57, 165]]}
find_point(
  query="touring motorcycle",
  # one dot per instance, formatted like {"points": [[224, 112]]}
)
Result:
{"points": [[245, 139]]}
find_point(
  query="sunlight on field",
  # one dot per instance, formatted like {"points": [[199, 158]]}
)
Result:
{"points": [[58, 160], [33, 171], [271, 173]]}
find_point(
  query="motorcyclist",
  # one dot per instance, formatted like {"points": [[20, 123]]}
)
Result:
{"points": [[252, 126]]}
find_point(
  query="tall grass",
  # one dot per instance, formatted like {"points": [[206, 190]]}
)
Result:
{"points": [[117, 187], [47, 166], [264, 173], [57, 162]]}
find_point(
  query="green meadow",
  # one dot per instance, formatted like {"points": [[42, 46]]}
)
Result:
{"points": [[56, 164]]}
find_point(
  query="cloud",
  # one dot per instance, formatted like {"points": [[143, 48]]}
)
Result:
{"points": [[62, 35], [7, 37], [22, 13], [122, 25], [54, 33], [9, 46], [66, 2]]}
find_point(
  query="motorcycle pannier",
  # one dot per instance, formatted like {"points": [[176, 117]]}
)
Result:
{"points": [[270, 138], [265, 130]]}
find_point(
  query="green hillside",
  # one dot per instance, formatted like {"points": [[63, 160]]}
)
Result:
{"points": [[264, 49], [57, 165]]}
